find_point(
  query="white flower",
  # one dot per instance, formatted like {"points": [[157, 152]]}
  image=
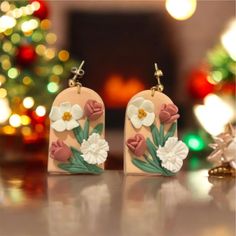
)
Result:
{"points": [[94, 149], [172, 154], [229, 153], [64, 117], [141, 112]]}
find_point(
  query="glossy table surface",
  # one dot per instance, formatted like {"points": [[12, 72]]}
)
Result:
{"points": [[34, 203]]}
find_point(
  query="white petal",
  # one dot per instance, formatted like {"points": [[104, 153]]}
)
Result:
{"points": [[136, 122], [59, 125], [102, 156], [71, 124], [148, 106], [181, 150], [137, 102], [131, 111], [103, 144], [149, 119], [173, 167], [93, 138], [65, 107], [170, 143], [76, 112], [55, 114], [89, 158]]}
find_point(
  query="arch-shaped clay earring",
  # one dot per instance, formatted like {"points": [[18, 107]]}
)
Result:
{"points": [[151, 145], [76, 141]]}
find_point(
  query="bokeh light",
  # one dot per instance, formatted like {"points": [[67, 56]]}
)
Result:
{"points": [[15, 120], [40, 111], [181, 9], [28, 102], [52, 87], [194, 142], [12, 73]]}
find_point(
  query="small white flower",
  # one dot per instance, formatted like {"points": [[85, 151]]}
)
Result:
{"points": [[172, 154], [64, 117], [141, 112], [94, 149]]}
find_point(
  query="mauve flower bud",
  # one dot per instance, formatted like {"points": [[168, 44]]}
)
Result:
{"points": [[137, 144], [168, 113], [93, 109], [59, 151]]}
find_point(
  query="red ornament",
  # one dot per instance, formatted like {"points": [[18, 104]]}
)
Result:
{"points": [[42, 12], [198, 85], [25, 55]]}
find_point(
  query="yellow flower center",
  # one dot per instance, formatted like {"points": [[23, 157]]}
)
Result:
{"points": [[66, 116], [141, 113]]}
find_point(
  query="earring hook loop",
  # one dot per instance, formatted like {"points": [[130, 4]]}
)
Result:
{"points": [[157, 74]]}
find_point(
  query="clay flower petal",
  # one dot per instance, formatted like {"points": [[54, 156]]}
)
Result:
{"points": [[172, 154], [93, 109], [137, 144], [168, 113], [59, 151], [140, 111], [65, 116], [94, 149]]}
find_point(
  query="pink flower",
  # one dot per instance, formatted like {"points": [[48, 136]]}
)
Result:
{"points": [[168, 113], [60, 151], [93, 109], [137, 144]]}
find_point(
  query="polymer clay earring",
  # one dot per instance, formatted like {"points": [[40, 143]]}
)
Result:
{"points": [[76, 140], [151, 145]]}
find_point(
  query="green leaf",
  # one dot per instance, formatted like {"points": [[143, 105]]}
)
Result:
{"points": [[79, 165], [73, 169], [77, 157], [155, 135], [98, 129], [152, 150], [161, 135], [86, 129], [145, 166], [153, 163], [78, 132], [171, 131]]}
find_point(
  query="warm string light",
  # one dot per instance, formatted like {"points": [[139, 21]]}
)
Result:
{"points": [[8, 20], [181, 9]]}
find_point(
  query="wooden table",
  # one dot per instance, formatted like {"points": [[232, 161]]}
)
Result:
{"points": [[35, 204]]}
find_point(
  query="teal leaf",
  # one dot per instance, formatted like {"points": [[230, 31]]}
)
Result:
{"points": [[153, 163], [86, 129], [77, 157], [142, 165], [155, 135], [152, 150], [78, 165], [171, 131], [78, 132], [161, 135], [73, 169], [98, 129]]}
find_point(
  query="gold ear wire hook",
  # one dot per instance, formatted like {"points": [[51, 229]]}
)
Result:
{"points": [[78, 74], [159, 87]]}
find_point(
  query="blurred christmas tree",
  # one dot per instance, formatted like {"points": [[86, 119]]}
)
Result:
{"points": [[31, 68], [212, 88]]}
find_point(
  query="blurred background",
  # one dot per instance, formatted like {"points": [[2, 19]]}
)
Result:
{"points": [[192, 41]]}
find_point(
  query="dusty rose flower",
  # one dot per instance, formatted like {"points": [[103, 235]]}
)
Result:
{"points": [[60, 151], [168, 113], [93, 109], [137, 144]]}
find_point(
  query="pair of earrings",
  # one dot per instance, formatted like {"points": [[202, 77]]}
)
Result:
{"points": [[77, 144]]}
